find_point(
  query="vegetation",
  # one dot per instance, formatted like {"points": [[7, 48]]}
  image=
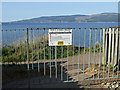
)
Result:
{"points": [[18, 52], [103, 17]]}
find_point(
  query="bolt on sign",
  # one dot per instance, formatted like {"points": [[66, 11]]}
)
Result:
{"points": [[60, 37]]}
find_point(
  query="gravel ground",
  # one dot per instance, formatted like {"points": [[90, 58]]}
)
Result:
{"points": [[17, 78]]}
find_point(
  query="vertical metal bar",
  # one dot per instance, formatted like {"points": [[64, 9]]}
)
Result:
{"points": [[28, 58], [47, 38], [38, 49], [106, 31], [67, 61], [3, 61], [100, 53], [20, 44], [8, 43], [52, 56], [96, 43], [116, 47], [84, 54], [97, 40], [40, 52], [114, 53], [113, 41], [44, 54], [94, 53], [73, 53], [3, 43], [32, 53], [118, 69], [115, 56], [40, 42], [56, 59], [62, 63], [11, 44], [15, 46], [50, 61], [32, 47], [49, 54], [89, 54], [109, 52], [79, 56], [24, 45], [103, 46]]}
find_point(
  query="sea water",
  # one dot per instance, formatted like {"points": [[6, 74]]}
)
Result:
{"points": [[10, 35]]}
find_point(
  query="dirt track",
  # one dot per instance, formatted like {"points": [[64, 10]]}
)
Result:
{"points": [[38, 80]]}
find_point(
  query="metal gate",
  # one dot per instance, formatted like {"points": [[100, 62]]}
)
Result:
{"points": [[94, 54]]}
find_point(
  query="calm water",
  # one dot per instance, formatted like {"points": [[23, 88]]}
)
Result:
{"points": [[10, 36], [55, 25]]}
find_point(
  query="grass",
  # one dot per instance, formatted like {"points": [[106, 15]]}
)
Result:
{"points": [[17, 52]]}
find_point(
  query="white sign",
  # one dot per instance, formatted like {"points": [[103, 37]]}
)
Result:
{"points": [[60, 37]]}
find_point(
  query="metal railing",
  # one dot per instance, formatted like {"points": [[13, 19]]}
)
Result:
{"points": [[93, 55]]}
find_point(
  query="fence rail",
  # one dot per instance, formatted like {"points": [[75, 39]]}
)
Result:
{"points": [[94, 53]]}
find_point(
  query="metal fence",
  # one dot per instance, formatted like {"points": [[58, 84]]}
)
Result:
{"points": [[94, 53]]}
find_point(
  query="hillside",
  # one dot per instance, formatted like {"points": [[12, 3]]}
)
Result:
{"points": [[103, 17]]}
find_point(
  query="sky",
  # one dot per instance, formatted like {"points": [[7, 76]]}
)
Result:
{"points": [[13, 11]]}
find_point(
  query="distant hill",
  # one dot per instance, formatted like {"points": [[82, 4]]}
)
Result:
{"points": [[103, 17]]}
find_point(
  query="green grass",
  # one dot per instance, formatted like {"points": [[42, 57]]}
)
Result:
{"points": [[18, 52]]}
